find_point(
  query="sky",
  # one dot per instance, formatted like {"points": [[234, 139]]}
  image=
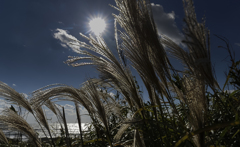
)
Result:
{"points": [[33, 37]]}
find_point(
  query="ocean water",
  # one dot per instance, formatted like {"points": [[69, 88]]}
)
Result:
{"points": [[73, 130]]}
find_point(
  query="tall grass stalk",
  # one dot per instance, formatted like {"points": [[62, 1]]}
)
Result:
{"points": [[79, 122]]}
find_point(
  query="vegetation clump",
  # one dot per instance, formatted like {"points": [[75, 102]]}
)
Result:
{"points": [[182, 108]]}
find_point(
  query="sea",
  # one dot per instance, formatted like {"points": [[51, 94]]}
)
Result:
{"points": [[55, 128]]}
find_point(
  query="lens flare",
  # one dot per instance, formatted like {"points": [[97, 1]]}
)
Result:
{"points": [[97, 26]]}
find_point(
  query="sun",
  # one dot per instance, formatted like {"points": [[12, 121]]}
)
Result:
{"points": [[97, 25]]}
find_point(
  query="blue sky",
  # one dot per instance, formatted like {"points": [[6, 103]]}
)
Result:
{"points": [[31, 57]]}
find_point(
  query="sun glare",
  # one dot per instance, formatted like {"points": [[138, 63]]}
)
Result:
{"points": [[97, 25]]}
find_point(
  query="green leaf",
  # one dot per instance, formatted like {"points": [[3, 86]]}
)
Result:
{"points": [[206, 129], [144, 108], [235, 133], [223, 134]]}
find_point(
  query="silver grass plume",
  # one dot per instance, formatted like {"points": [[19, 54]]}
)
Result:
{"points": [[14, 121], [3, 137], [199, 73], [51, 106], [124, 126], [60, 91], [54, 108], [141, 43], [194, 92], [92, 94], [65, 93], [43, 120], [198, 42], [13, 96], [111, 70], [42, 96]]}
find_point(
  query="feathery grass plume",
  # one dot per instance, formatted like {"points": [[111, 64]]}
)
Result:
{"points": [[141, 45], [198, 42], [53, 107], [197, 103], [3, 137], [137, 44], [68, 93], [199, 69], [112, 72], [192, 93], [59, 91], [124, 126], [14, 121], [141, 41], [13, 96], [92, 94], [110, 69], [42, 118]]}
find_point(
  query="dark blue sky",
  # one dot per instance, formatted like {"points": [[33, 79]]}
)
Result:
{"points": [[31, 57]]}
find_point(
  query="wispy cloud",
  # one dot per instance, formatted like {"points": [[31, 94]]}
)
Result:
{"points": [[166, 24], [238, 44], [67, 40], [14, 85]]}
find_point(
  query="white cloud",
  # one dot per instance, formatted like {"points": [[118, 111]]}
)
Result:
{"points": [[68, 106], [25, 95], [14, 85], [3, 104], [70, 113], [238, 44], [166, 24], [67, 40], [63, 45], [229, 91]]}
